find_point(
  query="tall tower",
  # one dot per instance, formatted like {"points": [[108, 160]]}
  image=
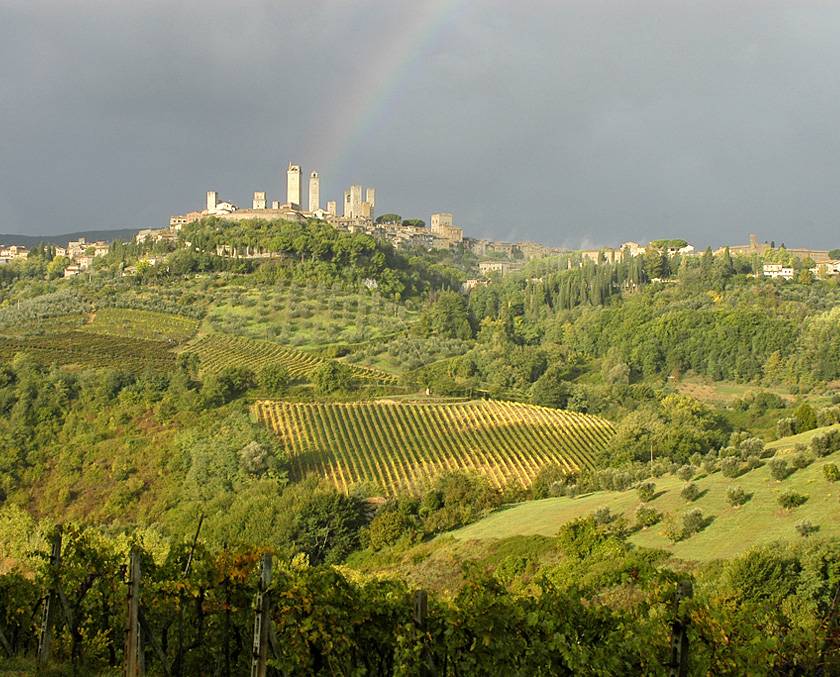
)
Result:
{"points": [[212, 200], [331, 208], [259, 200], [370, 197], [293, 185], [314, 192]]}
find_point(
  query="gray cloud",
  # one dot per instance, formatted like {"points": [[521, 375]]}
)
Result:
{"points": [[561, 122]]}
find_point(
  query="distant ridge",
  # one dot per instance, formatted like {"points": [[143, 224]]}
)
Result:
{"points": [[126, 234]]}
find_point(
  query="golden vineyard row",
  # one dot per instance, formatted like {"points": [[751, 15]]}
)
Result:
{"points": [[401, 445]]}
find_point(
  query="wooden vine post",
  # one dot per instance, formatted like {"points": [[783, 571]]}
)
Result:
{"points": [[133, 656], [679, 636], [47, 618], [262, 621]]}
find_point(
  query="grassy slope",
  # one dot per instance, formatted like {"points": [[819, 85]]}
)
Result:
{"points": [[733, 530]]}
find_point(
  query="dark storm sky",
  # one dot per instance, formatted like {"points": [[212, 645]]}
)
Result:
{"points": [[564, 122]]}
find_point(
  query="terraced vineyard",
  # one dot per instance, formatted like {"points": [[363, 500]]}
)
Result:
{"points": [[91, 350], [145, 324], [217, 351], [400, 445]]}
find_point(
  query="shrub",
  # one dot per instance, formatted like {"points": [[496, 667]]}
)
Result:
{"points": [[332, 377], [603, 515], [730, 467], [736, 496], [686, 472], [826, 443], [790, 500], [690, 491], [786, 426], [673, 529], [778, 468], [752, 462], [274, 378], [802, 460], [752, 446], [693, 521], [710, 464], [806, 528], [646, 491], [647, 516], [678, 529], [831, 472]]}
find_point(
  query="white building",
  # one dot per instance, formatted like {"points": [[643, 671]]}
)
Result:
{"points": [[778, 270]]}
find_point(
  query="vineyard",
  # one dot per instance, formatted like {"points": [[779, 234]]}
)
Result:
{"points": [[91, 350], [401, 445], [143, 324], [217, 351]]}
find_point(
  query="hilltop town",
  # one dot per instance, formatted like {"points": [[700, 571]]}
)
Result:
{"points": [[358, 217]]}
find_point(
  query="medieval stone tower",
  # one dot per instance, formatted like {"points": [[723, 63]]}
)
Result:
{"points": [[314, 192], [293, 185]]}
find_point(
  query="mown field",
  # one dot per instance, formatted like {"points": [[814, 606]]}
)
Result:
{"points": [[82, 348], [401, 445], [218, 351], [143, 324], [731, 530]]}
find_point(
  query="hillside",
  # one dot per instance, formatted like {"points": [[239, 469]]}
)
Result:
{"points": [[401, 445], [117, 234], [732, 530]]}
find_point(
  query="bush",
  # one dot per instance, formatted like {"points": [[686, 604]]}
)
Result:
{"points": [[831, 472], [274, 379], [752, 446], [678, 529], [693, 521], [646, 491], [730, 467], [802, 460], [333, 377], [690, 491], [790, 500], [686, 472], [778, 468], [786, 426], [826, 443], [736, 496], [603, 515], [806, 528], [647, 516], [710, 464]]}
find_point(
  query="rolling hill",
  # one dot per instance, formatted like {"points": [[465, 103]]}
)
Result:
{"points": [[732, 530]]}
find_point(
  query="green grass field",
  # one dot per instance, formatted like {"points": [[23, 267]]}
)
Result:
{"points": [[733, 529], [142, 324]]}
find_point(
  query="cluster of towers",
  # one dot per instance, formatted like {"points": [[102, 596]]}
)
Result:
{"points": [[354, 206]]}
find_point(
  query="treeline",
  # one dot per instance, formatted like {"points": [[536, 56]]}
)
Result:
{"points": [[602, 607], [316, 251]]}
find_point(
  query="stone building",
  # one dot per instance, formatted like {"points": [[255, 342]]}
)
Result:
{"points": [[293, 186], [443, 228], [259, 200], [314, 192]]}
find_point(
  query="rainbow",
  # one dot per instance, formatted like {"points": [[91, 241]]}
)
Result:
{"points": [[356, 115]]}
